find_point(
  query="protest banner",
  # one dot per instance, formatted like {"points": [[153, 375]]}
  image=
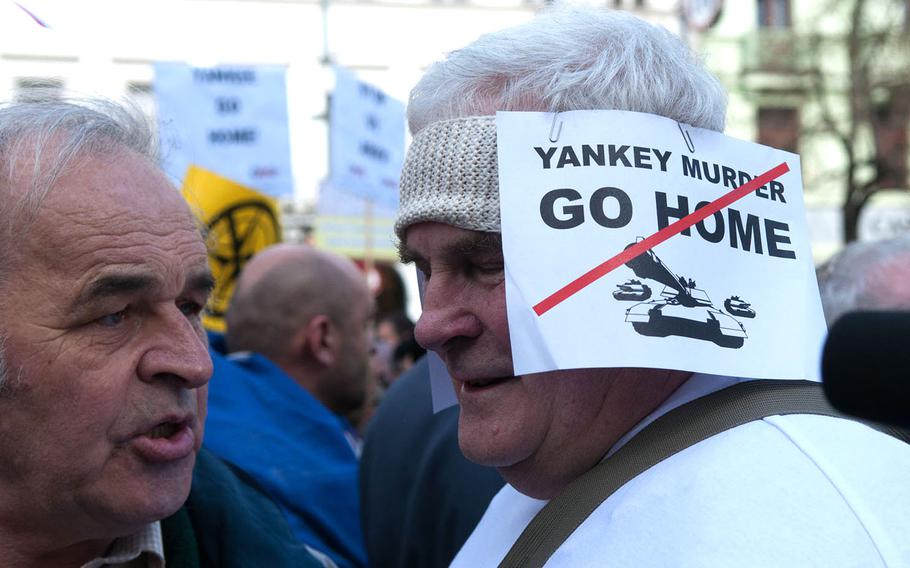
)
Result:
{"points": [[240, 223], [229, 120], [630, 240], [367, 140], [341, 226]]}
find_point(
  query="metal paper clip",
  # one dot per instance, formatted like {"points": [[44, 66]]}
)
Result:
{"points": [[555, 138], [686, 137]]}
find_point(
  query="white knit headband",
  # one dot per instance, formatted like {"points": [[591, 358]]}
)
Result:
{"points": [[450, 175]]}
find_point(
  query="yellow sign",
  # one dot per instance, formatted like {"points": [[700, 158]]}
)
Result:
{"points": [[240, 223]]}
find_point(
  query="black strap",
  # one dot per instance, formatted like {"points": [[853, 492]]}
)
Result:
{"points": [[673, 432]]}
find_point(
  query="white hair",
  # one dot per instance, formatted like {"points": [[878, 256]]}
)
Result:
{"points": [[572, 58], [40, 138], [865, 276], [43, 134]]}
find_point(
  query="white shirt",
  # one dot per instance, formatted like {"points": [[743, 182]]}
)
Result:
{"points": [[787, 491]]}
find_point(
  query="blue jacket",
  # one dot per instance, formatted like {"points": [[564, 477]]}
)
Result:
{"points": [[263, 422]]}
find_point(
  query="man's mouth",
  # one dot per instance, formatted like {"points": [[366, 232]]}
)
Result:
{"points": [[172, 439], [485, 383], [164, 430]]}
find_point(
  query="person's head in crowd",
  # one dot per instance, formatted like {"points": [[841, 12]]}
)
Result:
{"points": [[540, 430], [394, 328], [381, 363], [104, 363], [866, 276], [405, 355], [309, 312]]}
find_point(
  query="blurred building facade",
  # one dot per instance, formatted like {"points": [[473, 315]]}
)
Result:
{"points": [[827, 79], [786, 64], [109, 47]]}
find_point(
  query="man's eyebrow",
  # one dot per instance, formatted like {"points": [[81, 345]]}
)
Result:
{"points": [[473, 244], [201, 282], [406, 255], [478, 242], [464, 246], [115, 285]]}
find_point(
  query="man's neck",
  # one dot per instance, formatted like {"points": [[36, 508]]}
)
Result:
{"points": [[635, 394], [310, 378], [40, 552]]}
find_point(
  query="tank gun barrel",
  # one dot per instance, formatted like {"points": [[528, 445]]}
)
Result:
{"points": [[649, 265]]}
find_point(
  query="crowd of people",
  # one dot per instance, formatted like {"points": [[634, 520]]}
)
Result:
{"points": [[304, 435]]}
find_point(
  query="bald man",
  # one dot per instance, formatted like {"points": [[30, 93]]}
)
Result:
{"points": [[294, 362], [866, 276]]}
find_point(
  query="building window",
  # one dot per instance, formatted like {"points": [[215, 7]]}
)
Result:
{"points": [[28, 89], [778, 127], [774, 13], [890, 129]]}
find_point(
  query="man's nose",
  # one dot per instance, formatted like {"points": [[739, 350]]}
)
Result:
{"points": [[177, 351], [444, 318]]}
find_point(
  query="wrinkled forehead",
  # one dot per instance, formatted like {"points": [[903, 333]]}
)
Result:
{"points": [[450, 176], [35, 171], [110, 208]]}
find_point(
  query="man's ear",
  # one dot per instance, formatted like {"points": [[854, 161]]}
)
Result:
{"points": [[321, 340]]}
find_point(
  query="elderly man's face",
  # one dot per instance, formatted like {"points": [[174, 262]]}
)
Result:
{"points": [[101, 315], [514, 423]]}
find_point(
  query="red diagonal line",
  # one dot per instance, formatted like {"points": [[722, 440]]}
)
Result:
{"points": [[660, 236]]}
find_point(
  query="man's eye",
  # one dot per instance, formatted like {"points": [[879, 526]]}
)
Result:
{"points": [[112, 320], [489, 267], [484, 268], [190, 308]]}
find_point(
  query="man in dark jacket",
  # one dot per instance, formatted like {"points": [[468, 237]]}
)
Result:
{"points": [[420, 498], [103, 360]]}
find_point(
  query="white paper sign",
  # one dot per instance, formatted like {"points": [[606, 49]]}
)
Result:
{"points": [[230, 120], [367, 140], [734, 294]]}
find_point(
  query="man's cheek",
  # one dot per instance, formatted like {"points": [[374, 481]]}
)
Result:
{"points": [[202, 396]]}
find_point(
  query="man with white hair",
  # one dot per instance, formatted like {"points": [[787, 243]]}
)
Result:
{"points": [[104, 368], [791, 490], [866, 276]]}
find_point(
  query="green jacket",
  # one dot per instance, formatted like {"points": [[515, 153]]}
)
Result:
{"points": [[228, 522]]}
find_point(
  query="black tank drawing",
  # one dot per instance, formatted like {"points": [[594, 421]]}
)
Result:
{"points": [[682, 309], [738, 307], [632, 290]]}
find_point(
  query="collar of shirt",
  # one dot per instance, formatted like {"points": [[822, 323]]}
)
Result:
{"points": [[143, 549], [697, 386]]}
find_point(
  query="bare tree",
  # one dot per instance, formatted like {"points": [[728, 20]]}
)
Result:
{"points": [[860, 80]]}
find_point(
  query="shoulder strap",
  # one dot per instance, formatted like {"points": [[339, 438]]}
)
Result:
{"points": [[673, 432]]}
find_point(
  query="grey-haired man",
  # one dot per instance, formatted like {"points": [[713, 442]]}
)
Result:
{"points": [[104, 364], [783, 491]]}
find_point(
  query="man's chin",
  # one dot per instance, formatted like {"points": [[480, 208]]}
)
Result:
{"points": [[485, 458], [162, 490], [487, 451]]}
